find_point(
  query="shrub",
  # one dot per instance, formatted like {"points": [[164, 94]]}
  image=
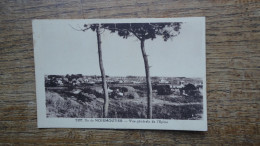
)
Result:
{"points": [[163, 89], [181, 112], [128, 92], [93, 91], [131, 95], [85, 97], [57, 106]]}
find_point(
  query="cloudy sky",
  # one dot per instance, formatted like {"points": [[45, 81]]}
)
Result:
{"points": [[59, 49]]}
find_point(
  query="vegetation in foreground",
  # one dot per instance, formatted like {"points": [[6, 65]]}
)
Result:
{"points": [[88, 103]]}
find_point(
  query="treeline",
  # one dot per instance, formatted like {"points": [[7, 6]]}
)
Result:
{"points": [[64, 80]]}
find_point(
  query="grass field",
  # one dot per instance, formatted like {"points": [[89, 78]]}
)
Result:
{"points": [[88, 103]]}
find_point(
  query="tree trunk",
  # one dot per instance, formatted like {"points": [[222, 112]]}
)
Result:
{"points": [[148, 82], [104, 83]]}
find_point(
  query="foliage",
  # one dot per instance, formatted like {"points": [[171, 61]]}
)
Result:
{"points": [[142, 31], [93, 91], [67, 107], [63, 103], [189, 87], [163, 89], [191, 90], [180, 112], [181, 99], [128, 92]]}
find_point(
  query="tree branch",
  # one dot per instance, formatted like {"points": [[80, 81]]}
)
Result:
{"points": [[135, 35], [102, 31], [78, 29]]}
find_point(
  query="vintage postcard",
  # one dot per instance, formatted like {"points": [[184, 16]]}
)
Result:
{"points": [[121, 73]]}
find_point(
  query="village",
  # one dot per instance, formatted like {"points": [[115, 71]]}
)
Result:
{"points": [[160, 85]]}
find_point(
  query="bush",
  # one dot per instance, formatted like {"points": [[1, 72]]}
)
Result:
{"points": [[85, 97], [140, 87], [93, 91], [128, 92], [191, 90], [163, 89], [123, 88], [58, 106], [131, 95], [181, 112], [128, 109]]}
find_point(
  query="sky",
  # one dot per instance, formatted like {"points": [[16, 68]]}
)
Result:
{"points": [[60, 49]]}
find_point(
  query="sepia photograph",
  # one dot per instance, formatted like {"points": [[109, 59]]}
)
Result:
{"points": [[121, 73]]}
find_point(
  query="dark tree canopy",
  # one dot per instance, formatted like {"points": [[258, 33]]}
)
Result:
{"points": [[189, 87], [142, 31]]}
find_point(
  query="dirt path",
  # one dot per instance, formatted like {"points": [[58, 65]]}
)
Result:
{"points": [[160, 102]]}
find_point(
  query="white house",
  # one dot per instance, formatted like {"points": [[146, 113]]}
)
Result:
{"points": [[163, 81]]}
